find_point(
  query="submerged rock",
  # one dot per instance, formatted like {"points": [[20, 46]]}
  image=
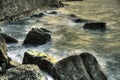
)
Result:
{"points": [[23, 72], [9, 39], [37, 37], [95, 26], [92, 67], [43, 60], [37, 15]]}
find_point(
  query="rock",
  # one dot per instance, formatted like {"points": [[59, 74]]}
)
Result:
{"points": [[23, 72], [9, 39], [4, 59], [92, 67], [13, 64], [71, 68], [37, 37], [53, 12], [95, 26], [37, 15], [78, 67], [43, 60], [72, 15], [77, 20]]}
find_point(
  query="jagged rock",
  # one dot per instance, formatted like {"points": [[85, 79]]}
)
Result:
{"points": [[43, 60], [9, 39], [95, 26], [37, 37], [37, 15], [71, 68], [4, 59], [92, 67], [23, 72]]}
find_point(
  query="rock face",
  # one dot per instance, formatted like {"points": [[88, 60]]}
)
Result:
{"points": [[95, 26], [4, 59], [23, 72], [44, 61], [10, 9], [37, 37], [9, 39], [92, 67], [81, 67]]}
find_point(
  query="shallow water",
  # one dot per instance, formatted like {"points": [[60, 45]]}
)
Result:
{"points": [[69, 38]]}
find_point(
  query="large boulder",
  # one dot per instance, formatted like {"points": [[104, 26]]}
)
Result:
{"points": [[9, 39], [95, 26], [71, 68], [92, 66], [4, 59], [23, 72], [43, 60], [79, 67], [37, 37]]}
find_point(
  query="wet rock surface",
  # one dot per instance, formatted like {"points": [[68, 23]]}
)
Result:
{"points": [[81, 67], [92, 66], [9, 39], [95, 26], [37, 37], [23, 72], [43, 60]]}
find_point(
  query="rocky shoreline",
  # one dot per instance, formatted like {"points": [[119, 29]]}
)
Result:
{"points": [[77, 67]]}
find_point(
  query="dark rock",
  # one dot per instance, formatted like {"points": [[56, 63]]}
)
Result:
{"points": [[78, 67], [72, 15], [4, 59], [23, 72], [95, 26], [53, 12], [77, 20], [71, 68], [92, 67], [37, 15], [9, 39], [37, 37], [43, 60]]}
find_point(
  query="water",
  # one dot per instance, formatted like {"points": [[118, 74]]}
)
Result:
{"points": [[69, 38]]}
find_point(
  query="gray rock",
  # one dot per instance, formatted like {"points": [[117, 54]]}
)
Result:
{"points": [[9, 39], [95, 26], [71, 68], [23, 72], [37, 37], [92, 66], [43, 60]]}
